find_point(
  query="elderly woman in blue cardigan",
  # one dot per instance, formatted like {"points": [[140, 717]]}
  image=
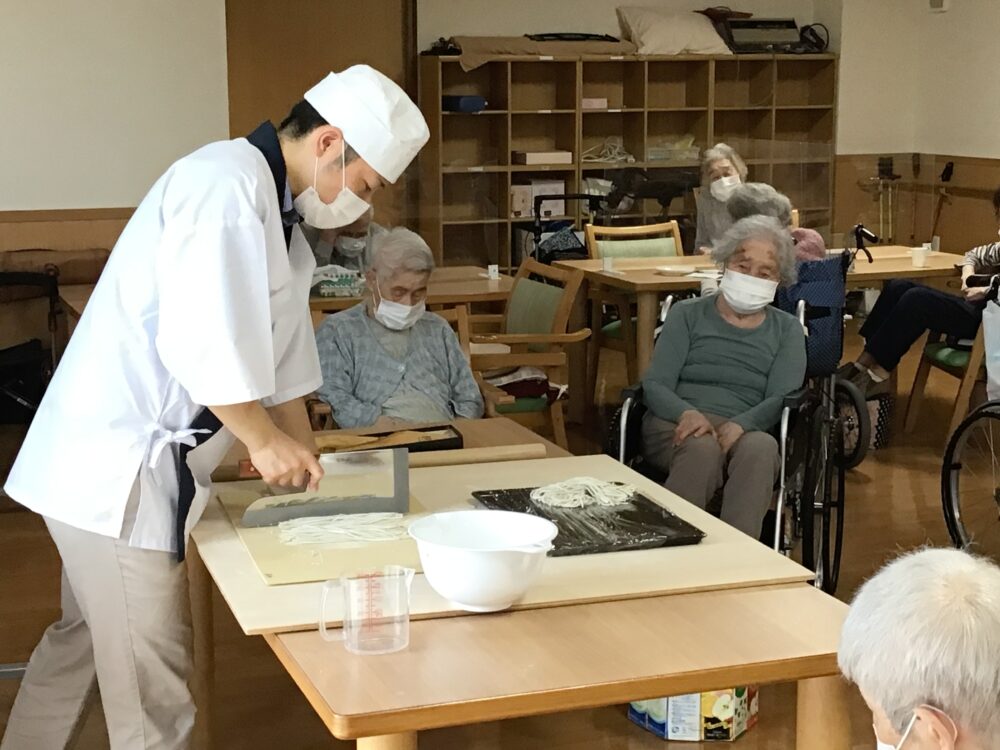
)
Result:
{"points": [[387, 360]]}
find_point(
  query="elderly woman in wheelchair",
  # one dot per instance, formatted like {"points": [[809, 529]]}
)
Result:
{"points": [[721, 370]]}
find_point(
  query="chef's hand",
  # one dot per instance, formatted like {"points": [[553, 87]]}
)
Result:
{"points": [[284, 462], [692, 424], [727, 434]]}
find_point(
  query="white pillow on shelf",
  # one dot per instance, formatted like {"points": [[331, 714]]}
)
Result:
{"points": [[658, 32]]}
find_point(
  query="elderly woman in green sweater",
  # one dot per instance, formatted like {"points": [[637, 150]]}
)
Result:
{"points": [[720, 372]]}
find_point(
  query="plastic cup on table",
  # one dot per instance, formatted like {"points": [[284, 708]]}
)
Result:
{"points": [[376, 610]]}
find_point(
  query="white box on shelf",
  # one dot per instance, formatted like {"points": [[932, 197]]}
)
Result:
{"points": [[542, 157], [520, 201], [549, 187], [594, 102]]}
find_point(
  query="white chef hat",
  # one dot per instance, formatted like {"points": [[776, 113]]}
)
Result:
{"points": [[377, 118]]}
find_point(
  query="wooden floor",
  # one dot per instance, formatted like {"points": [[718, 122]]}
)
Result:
{"points": [[893, 505]]}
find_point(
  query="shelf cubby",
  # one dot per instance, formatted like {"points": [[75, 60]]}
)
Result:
{"points": [[681, 84], [744, 83], [669, 127], [749, 131], [599, 126], [805, 82], [478, 244], [807, 186], [474, 197], [489, 81], [474, 142], [804, 125], [543, 86], [551, 132], [621, 83]]}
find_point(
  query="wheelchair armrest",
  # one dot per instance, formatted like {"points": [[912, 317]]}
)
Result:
{"points": [[633, 392], [795, 399]]}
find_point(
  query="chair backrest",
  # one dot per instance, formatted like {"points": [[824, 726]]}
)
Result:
{"points": [[822, 286], [541, 299], [795, 218], [643, 241], [458, 317]]}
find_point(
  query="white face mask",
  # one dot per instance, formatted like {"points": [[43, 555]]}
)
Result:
{"points": [[396, 316], [351, 247], [879, 745], [723, 187], [346, 208], [747, 294]]}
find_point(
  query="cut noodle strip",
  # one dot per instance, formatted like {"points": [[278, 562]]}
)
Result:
{"points": [[348, 527], [582, 492]]}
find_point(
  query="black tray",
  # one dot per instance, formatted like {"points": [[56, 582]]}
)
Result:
{"points": [[638, 524]]}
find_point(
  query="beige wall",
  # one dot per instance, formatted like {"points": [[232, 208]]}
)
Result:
{"points": [[437, 18], [99, 97]]}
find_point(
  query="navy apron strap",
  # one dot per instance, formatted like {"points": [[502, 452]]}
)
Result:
{"points": [[265, 139], [206, 420]]}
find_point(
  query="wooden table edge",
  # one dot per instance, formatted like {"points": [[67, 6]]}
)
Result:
{"points": [[535, 703]]}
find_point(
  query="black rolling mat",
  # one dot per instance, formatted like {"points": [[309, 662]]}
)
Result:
{"points": [[637, 524]]}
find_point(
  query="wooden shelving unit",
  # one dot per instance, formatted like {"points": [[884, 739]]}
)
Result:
{"points": [[778, 111]]}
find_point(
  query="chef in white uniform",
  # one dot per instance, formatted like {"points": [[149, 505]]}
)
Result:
{"points": [[198, 333]]}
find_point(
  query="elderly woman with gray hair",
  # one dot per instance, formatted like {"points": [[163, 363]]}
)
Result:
{"points": [[922, 643], [387, 360], [720, 372], [760, 199], [722, 170]]}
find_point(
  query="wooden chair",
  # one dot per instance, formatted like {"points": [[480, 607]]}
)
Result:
{"points": [[534, 328], [795, 218], [964, 365], [648, 241], [320, 413]]}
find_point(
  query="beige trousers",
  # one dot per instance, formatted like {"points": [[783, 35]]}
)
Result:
{"points": [[126, 625]]}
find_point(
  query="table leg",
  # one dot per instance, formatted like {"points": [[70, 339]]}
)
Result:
{"points": [[822, 717], [645, 326], [203, 637], [405, 741]]}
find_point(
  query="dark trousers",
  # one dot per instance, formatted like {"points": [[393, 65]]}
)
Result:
{"points": [[905, 310]]}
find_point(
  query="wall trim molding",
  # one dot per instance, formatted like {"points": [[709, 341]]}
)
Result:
{"points": [[68, 214]]}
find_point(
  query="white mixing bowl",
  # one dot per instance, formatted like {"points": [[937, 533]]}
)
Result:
{"points": [[482, 560]]}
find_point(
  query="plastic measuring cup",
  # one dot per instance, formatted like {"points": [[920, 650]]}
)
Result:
{"points": [[376, 610]]}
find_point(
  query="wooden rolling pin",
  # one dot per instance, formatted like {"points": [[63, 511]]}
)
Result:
{"points": [[519, 452]]}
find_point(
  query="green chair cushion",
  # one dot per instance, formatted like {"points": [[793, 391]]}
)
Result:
{"points": [[532, 307], [613, 330], [654, 247], [944, 355], [524, 406]]}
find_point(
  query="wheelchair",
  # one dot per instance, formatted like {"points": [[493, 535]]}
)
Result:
{"points": [[823, 431], [970, 473]]}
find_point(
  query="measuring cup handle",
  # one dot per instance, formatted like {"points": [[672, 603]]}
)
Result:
{"points": [[328, 634]]}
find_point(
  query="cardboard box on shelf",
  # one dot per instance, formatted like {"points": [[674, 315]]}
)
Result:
{"points": [[542, 157], [717, 715], [520, 201], [549, 187]]}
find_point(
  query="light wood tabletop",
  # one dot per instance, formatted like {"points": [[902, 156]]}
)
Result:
{"points": [[645, 279], [488, 667], [449, 285]]}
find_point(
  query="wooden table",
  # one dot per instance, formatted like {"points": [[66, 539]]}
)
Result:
{"points": [[639, 278], [474, 669], [642, 596], [449, 286], [75, 297]]}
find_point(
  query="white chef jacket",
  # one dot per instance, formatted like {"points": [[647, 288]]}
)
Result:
{"points": [[201, 302]]}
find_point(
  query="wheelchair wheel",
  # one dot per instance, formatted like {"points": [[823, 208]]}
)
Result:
{"points": [[970, 482], [822, 510], [856, 426]]}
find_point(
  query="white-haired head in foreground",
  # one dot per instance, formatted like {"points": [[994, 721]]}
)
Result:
{"points": [[922, 643], [759, 199], [758, 230], [401, 266]]}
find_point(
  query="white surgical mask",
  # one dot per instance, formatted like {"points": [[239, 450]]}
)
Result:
{"points": [[879, 745], [747, 294], [395, 315], [723, 187], [351, 247], [346, 208]]}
